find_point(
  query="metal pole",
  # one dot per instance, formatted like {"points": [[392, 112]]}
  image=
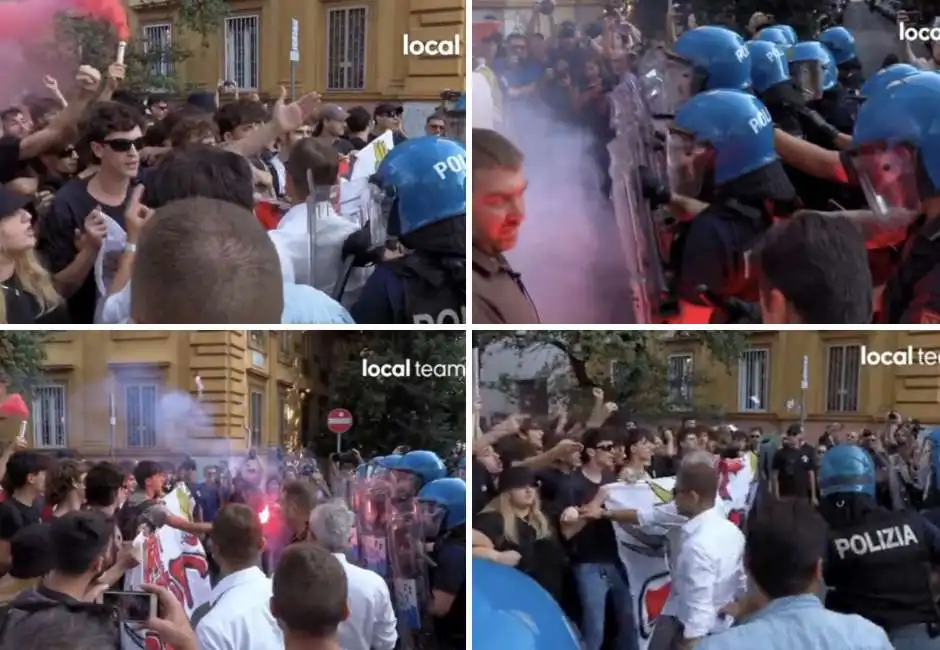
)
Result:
{"points": [[293, 81], [339, 443]]}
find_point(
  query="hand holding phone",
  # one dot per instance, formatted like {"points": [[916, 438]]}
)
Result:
{"points": [[132, 606]]}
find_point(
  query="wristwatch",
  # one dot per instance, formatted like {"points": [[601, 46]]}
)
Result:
{"points": [[130, 248]]}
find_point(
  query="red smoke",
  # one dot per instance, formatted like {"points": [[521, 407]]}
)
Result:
{"points": [[21, 20]]}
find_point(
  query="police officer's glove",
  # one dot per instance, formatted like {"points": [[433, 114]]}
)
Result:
{"points": [[359, 246], [654, 190], [741, 312], [816, 121]]}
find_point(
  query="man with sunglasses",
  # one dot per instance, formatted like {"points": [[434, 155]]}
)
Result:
{"points": [[388, 117], [69, 245]]}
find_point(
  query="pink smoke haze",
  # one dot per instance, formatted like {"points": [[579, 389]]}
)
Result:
{"points": [[32, 20]]}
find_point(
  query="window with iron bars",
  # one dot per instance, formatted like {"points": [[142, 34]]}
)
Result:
{"points": [[50, 415], [842, 378], [346, 48], [141, 403], [754, 380], [255, 418], [157, 49], [242, 51], [679, 380]]}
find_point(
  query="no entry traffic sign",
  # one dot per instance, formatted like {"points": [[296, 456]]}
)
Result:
{"points": [[339, 420]]}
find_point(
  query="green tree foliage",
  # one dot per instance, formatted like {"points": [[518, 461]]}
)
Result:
{"points": [[423, 413], [94, 42], [22, 355], [630, 366]]}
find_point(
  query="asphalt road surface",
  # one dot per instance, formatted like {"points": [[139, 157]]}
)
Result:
{"points": [[875, 35]]}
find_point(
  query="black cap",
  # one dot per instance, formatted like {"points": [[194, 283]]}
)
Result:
{"points": [[516, 477], [384, 110], [11, 201], [31, 552]]}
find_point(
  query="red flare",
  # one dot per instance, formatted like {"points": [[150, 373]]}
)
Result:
{"points": [[24, 20], [14, 406]]}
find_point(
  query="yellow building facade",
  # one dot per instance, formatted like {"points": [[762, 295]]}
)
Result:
{"points": [[349, 50], [136, 394], [842, 384], [515, 14]]}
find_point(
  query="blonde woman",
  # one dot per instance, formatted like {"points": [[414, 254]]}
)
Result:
{"points": [[29, 296], [513, 530]]}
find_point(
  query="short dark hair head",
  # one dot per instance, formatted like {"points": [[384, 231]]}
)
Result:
{"points": [[206, 261], [239, 113], [237, 535], [320, 158], [785, 541], [794, 429], [10, 113], [358, 119], [102, 484], [79, 539], [64, 477], [820, 265], [146, 469], [105, 118], [193, 128], [49, 629], [492, 150], [304, 569], [21, 466], [301, 494], [200, 171]]}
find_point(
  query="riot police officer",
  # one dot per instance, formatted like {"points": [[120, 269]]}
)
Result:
{"points": [[885, 77], [424, 466], [425, 185], [814, 70], [841, 43], [877, 564], [448, 497], [770, 78], [511, 610], [776, 35], [728, 136]]}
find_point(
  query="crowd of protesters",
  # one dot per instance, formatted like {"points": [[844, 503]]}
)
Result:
{"points": [[65, 523], [101, 191], [539, 484]]}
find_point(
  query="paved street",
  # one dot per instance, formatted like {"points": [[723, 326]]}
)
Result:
{"points": [[875, 35]]}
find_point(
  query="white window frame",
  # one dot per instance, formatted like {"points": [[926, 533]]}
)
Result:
{"points": [[255, 418], [248, 78], [163, 67], [139, 419], [754, 380], [50, 415], [344, 71], [680, 369], [843, 378]]}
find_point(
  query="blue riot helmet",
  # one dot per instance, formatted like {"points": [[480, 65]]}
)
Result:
{"points": [[777, 36], [385, 464], [790, 33], [812, 68], [840, 42], [846, 469], [425, 465], [422, 181], [768, 65], [896, 157], [885, 77], [443, 504], [727, 133], [704, 58], [511, 610]]}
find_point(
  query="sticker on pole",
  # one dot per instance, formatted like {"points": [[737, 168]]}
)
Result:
{"points": [[339, 420]]}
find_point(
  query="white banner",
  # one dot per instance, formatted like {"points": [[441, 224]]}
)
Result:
{"points": [[642, 550], [174, 560], [369, 158]]}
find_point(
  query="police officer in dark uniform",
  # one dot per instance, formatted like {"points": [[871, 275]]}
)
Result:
{"points": [[878, 563], [728, 137], [425, 185], [814, 69], [841, 43]]}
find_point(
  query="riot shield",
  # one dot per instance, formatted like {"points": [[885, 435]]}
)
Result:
{"points": [[370, 501], [410, 582], [638, 143]]}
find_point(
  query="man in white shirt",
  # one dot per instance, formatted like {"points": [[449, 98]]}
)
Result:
{"points": [[371, 624], [292, 236], [707, 572], [239, 615]]}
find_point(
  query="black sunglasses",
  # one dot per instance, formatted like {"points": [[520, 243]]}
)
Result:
{"points": [[123, 145], [398, 113], [607, 446], [68, 152]]}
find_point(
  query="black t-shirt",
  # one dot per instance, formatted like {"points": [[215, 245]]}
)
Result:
{"points": [[483, 488], [793, 467], [450, 577], [71, 205], [22, 307], [10, 164], [662, 466], [552, 482], [595, 543], [14, 516]]}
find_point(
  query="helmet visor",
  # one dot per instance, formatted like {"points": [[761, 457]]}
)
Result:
{"points": [[686, 161], [809, 78], [668, 82], [432, 518], [888, 177]]}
